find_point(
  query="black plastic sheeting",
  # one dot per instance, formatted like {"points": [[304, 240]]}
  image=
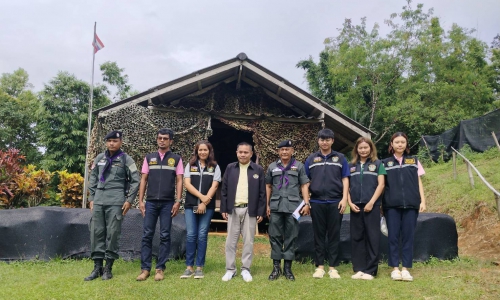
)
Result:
{"points": [[475, 132], [436, 236], [48, 232]]}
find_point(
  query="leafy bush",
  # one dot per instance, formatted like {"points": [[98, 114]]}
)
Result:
{"points": [[71, 187], [10, 168], [32, 186]]}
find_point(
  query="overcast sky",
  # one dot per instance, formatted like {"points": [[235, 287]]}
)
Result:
{"points": [[157, 41]]}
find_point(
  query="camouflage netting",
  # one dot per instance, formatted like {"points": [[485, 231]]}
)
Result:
{"points": [[245, 101], [140, 126], [266, 134]]}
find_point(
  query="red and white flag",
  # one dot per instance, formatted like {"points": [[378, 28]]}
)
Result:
{"points": [[98, 45]]}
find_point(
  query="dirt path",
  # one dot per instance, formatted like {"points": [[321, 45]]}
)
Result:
{"points": [[479, 235]]}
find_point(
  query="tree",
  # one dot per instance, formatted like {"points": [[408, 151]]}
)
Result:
{"points": [[418, 78], [15, 83], [113, 75], [63, 121], [18, 106]]}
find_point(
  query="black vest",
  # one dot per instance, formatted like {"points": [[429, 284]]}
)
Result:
{"points": [[207, 178], [401, 185], [161, 178], [362, 189], [326, 176]]}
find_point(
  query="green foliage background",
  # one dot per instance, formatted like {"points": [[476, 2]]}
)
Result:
{"points": [[419, 78]]}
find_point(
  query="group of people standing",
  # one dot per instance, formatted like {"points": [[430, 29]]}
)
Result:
{"points": [[322, 187]]}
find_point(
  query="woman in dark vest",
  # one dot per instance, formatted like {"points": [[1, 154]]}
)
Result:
{"points": [[365, 188], [201, 179], [403, 200]]}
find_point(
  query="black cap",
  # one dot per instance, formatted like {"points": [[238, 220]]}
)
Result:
{"points": [[115, 134], [285, 143]]}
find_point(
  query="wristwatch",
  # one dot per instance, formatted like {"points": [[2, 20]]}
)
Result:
{"points": [[308, 204], [178, 201]]}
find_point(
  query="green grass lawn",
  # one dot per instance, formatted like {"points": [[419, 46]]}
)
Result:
{"points": [[63, 279]]}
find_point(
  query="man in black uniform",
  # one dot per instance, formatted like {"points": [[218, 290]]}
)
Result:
{"points": [[329, 173], [285, 179]]}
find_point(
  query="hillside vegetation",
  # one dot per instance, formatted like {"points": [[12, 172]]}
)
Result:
{"points": [[474, 209]]}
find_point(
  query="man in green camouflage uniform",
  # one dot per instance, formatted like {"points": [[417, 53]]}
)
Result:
{"points": [[285, 179], [113, 185]]}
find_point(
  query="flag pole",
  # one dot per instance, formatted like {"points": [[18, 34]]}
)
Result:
{"points": [[89, 126]]}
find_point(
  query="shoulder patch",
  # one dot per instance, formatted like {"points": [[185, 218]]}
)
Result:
{"points": [[335, 159], [353, 169], [317, 159], [372, 167], [390, 163], [132, 168]]}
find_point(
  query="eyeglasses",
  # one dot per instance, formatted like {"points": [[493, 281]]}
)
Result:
{"points": [[160, 138]]}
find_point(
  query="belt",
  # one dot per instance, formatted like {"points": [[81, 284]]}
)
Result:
{"points": [[241, 205]]}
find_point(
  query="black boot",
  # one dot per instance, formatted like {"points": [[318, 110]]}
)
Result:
{"points": [[275, 274], [287, 270], [106, 274], [97, 272]]}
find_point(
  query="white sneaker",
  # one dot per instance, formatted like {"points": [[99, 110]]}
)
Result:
{"points": [[228, 276], [358, 275], [406, 276], [334, 274], [246, 276], [366, 276], [319, 273], [396, 275]]}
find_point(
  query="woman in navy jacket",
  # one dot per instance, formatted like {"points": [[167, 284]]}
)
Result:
{"points": [[403, 200], [366, 185]]}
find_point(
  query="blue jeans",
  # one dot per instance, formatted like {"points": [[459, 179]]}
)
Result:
{"points": [[163, 210], [197, 231]]}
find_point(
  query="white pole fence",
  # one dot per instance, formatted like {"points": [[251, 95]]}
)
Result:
{"points": [[471, 167]]}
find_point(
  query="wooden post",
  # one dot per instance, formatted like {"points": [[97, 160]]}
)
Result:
{"points": [[454, 165], [471, 179], [497, 198], [496, 140]]}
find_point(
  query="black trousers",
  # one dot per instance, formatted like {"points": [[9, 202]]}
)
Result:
{"points": [[365, 240], [326, 221]]}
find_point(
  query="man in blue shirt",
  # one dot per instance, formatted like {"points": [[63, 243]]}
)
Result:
{"points": [[329, 173]]}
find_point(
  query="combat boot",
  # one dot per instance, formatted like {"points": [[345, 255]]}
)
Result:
{"points": [[106, 274], [287, 270], [97, 272], [275, 274]]}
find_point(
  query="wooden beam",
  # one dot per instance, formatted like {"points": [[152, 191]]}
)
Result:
{"points": [[278, 91], [343, 140], [243, 117], [303, 97], [345, 149], [238, 84]]}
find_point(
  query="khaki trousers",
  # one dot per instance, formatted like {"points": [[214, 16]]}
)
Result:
{"points": [[239, 222]]}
